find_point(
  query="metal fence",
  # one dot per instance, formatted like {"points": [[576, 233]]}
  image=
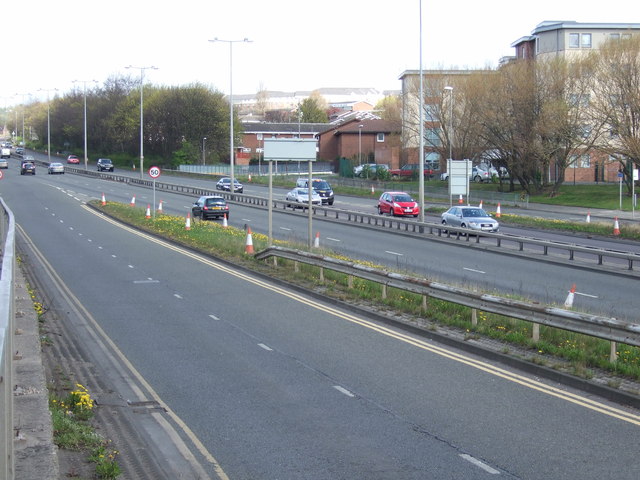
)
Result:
{"points": [[7, 274]]}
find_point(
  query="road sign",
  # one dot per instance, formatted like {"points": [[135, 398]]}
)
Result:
{"points": [[154, 172]]}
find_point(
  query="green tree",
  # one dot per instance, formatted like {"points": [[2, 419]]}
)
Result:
{"points": [[313, 109]]}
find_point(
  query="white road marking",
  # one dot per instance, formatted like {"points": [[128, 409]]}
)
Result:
{"points": [[130, 266], [344, 390], [285, 228], [214, 317], [394, 253], [177, 296], [70, 228], [587, 295], [480, 464], [473, 270], [334, 239], [262, 345], [113, 256], [245, 219], [146, 281]]}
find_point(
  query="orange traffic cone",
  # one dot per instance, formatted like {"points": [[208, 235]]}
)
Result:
{"points": [[249, 244], [187, 224], [372, 190], [498, 211], [480, 206], [588, 217], [616, 227], [224, 221], [316, 242], [460, 202], [148, 212], [160, 207], [133, 201], [568, 303], [104, 201], [249, 177]]}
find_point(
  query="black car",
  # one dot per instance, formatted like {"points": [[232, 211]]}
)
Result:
{"points": [[321, 186], [27, 167], [210, 206], [225, 184], [105, 164]]}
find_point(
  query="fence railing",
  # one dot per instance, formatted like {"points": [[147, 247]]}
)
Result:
{"points": [[605, 328], [585, 256], [7, 274]]}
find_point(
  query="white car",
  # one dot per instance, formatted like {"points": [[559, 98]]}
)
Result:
{"points": [[299, 197], [474, 218], [55, 167]]}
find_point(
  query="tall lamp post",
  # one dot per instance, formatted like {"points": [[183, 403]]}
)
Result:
{"points": [[24, 141], [48, 121], [421, 131], [142, 69], [450, 90], [360, 144], [204, 139], [84, 90], [231, 149]]}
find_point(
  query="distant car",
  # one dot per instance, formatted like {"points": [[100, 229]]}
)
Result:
{"points": [[480, 175], [370, 169], [104, 164], [4, 163], [474, 218], [19, 151], [299, 197], [411, 169], [73, 160], [398, 203], [28, 167], [29, 158], [55, 167], [319, 185], [210, 206], [225, 184]]}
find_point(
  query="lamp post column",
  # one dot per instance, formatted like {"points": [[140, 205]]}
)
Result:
{"points": [[142, 69], [84, 93], [48, 121]]}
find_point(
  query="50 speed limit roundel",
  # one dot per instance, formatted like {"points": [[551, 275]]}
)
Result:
{"points": [[154, 172]]}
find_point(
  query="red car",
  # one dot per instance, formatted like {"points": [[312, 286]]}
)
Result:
{"points": [[73, 159], [411, 170], [398, 203]]}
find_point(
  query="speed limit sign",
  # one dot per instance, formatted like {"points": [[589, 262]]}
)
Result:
{"points": [[154, 172]]}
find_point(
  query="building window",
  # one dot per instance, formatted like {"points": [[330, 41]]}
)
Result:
{"points": [[432, 160], [580, 161], [432, 138], [430, 112], [574, 40], [380, 137], [585, 40], [626, 36], [614, 36]]}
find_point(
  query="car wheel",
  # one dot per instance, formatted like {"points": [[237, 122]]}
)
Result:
{"points": [[415, 216], [379, 211], [331, 202]]}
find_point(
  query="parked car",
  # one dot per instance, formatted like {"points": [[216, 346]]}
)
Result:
{"points": [[319, 185], [411, 169], [27, 167], [480, 175], [73, 159], [210, 206], [55, 167], [474, 218], [225, 184], [398, 203], [299, 197], [104, 164], [369, 169], [4, 163]]}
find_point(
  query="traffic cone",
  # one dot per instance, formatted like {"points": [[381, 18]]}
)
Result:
{"points": [[372, 190], [568, 303], [187, 224], [249, 177], [616, 227], [588, 217], [133, 201], [104, 201], [249, 244], [224, 222], [316, 242], [160, 207], [498, 210], [460, 202], [480, 206], [148, 212]]}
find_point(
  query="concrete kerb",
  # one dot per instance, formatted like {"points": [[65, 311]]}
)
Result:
{"points": [[34, 451]]}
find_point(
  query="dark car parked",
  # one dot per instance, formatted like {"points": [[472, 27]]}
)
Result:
{"points": [[27, 167], [105, 164], [210, 206]]}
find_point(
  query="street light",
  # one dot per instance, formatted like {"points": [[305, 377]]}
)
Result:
{"points": [[231, 149], [142, 69], [84, 83], [24, 141], [450, 90], [48, 121], [203, 140], [421, 131], [360, 144]]}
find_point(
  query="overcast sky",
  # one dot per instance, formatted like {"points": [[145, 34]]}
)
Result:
{"points": [[296, 44]]}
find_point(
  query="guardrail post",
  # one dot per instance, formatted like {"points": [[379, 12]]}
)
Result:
{"points": [[613, 356], [296, 266], [384, 291], [535, 335], [424, 303], [321, 274], [474, 317], [275, 261], [350, 281]]}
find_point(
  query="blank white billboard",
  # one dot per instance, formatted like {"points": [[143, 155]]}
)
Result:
{"points": [[290, 149]]}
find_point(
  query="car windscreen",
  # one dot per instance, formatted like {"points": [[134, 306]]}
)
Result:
{"points": [[321, 185], [402, 198], [473, 212]]}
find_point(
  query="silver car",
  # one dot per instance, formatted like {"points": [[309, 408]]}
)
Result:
{"points": [[299, 197], [55, 167], [474, 218]]}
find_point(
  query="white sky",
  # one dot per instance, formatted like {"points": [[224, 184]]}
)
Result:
{"points": [[296, 44]]}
